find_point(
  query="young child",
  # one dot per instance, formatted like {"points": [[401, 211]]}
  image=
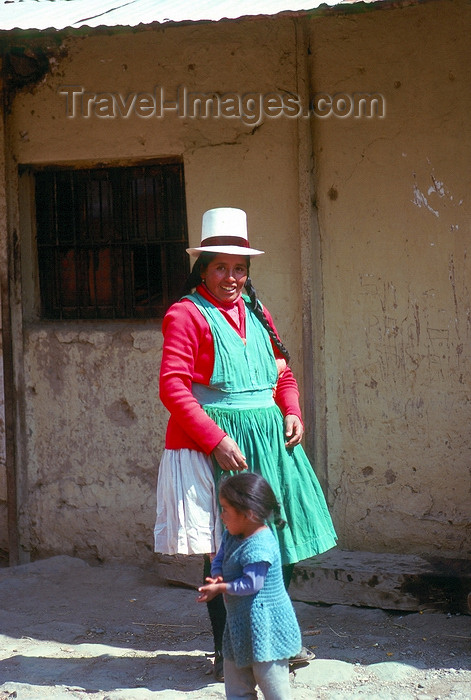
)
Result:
{"points": [[261, 631]]}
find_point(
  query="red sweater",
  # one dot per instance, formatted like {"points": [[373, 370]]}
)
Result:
{"points": [[188, 356]]}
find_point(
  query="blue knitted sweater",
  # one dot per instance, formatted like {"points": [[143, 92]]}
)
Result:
{"points": [[260, 627]]}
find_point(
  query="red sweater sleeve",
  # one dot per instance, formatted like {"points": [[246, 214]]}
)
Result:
{"points": [[188, 356]]}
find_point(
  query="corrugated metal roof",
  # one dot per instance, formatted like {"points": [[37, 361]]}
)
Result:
{"points": [[59, 14]]}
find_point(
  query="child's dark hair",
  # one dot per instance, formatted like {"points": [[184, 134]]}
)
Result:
{"points": [[194, 279], [251, 492]]}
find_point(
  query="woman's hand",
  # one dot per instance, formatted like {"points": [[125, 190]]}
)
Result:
{"points": [[294, 430], [228, 455]]}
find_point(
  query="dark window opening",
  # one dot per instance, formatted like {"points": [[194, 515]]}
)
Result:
{"points": [[111, 241]]}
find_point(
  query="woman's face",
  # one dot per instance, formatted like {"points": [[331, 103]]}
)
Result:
{"points": [[226, 276]]}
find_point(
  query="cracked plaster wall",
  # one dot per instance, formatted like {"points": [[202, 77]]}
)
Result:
{"points": [[394, 204]]}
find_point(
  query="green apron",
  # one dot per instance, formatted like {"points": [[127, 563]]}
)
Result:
{"points": [[240, 400]]}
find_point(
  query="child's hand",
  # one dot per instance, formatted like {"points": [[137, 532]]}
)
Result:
{"points": [[211, 589]]}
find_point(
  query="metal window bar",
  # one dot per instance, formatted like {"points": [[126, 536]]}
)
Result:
{"points": [[114, 225]]}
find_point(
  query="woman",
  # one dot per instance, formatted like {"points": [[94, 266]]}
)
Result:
{"points": [[234, 405]]}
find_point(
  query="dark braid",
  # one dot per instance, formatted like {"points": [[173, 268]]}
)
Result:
{"points": [[278, 521], [258, 311]]}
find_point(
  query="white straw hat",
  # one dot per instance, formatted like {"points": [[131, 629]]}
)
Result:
{"points": [[224, 230]]}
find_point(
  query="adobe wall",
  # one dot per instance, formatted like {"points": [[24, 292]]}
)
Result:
{"points": [[394, 211], [94, 428], [382, 257], [3, 475]]}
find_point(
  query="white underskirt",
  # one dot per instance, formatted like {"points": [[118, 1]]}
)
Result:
{"points": [[187, 519]]}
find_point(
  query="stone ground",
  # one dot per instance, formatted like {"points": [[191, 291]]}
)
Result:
{"points": [[70, 631]]}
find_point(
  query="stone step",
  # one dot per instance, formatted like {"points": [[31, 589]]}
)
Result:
{"points": [[388, 581], [377, 580]]}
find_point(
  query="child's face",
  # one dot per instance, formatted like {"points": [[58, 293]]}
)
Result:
{"points": [[235, 520]]}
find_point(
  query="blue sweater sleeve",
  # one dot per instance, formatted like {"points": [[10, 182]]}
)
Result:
{"points": [[251, 582]]}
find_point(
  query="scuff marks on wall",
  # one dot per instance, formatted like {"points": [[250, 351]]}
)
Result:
{"points": [[436, 199], [420, 200], [95, 437], [415, 332], [121, 413], [403, 396], [462, 293]]}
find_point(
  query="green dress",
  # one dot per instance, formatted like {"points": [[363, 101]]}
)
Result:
{"points": [[240, 400]]}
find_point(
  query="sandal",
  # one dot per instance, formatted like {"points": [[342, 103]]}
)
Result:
{"points": [[304, 657]]}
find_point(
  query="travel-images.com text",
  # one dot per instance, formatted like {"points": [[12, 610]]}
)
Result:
{"points": [[251, 108]]}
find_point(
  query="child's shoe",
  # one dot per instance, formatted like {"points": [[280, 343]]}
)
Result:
{"points": [[304, 657]]}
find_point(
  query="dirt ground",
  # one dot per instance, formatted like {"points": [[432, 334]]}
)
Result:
{"points": [[112, 632]]}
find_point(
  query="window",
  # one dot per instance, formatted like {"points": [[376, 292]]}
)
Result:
{"points": [[111, 241]]}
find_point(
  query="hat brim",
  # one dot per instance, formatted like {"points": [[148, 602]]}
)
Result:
{"points": [[228, 249]]}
